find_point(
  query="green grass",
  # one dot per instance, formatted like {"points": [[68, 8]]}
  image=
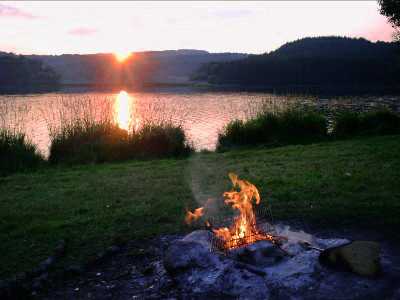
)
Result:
{"points": [[353, 182]]}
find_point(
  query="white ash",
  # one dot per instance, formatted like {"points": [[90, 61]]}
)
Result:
{"points": [[261, 271]]}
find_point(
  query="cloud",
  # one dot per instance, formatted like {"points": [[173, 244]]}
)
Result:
{"points": [[175, 21], [135, 22], [233, 14], [9, 11], [84, 31]]}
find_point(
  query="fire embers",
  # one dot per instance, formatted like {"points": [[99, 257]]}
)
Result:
{"points": [[243, 230]]}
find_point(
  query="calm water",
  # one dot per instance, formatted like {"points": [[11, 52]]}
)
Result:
{"points": [[202, 113]]}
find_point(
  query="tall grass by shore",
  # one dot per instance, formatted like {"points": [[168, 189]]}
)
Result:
{"points": [[98, 142], [376, 122], [86, 130], [292, 126], [17, 153], [274, 128]]}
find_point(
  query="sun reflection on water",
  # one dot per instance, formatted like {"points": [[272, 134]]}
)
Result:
{"points": [[123, 110]]}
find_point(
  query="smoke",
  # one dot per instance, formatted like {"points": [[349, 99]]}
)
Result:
{"points": [[208, 181]]}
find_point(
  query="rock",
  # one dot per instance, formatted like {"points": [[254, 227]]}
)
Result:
{"points": [[263, 271], [293, 249], [203, 237], [193, 251], [261, 253], [322, 243]]}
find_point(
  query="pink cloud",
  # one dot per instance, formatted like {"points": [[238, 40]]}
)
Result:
{"points": [[84, 31], [10, 11], [135, 22], [175, 21], [229, 14], [376, 29]]}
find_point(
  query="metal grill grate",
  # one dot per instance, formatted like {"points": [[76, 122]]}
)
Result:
{"points": [[262, 228]]}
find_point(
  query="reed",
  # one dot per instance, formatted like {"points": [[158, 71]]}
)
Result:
{"points": [[376, 122], [17, 153], [99, 142], [289, 126]]}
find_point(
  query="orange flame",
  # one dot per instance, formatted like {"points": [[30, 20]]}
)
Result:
{"points": [[243, 232], [197, 213]]}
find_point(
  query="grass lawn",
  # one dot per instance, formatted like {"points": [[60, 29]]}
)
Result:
{"points": [[353, 182]]}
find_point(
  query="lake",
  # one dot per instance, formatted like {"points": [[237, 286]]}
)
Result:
{"points": [[201, 111]]}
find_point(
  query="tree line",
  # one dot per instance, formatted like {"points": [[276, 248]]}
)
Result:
{"points": [[310, 61], [20, 72]]}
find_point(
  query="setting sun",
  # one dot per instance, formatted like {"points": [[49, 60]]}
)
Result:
{"points": [[122, 55]]}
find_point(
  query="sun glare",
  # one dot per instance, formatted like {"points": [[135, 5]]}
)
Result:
{"points": [[121, 56]]}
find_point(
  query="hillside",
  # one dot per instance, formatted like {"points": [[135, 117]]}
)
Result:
{"points": [[310, 61], [18, 72], [170, 66]]}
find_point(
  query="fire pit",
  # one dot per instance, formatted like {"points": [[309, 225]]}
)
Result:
{"points": [[255, 260]]}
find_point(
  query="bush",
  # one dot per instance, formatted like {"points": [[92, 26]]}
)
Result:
{"points": [[86, 142], [17, 154], [157, 141], [106, 142], [287, 127], [377, 122], [346, 124], [381, 121]]}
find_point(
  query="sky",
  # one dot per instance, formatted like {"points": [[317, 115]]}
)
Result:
{"points": [[79, 27]]}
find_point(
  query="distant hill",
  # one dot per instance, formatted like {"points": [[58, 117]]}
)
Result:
{"points": [[310, 61], [19, 72], [170, 66]]}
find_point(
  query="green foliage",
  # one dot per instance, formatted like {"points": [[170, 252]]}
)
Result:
{"points": [[22, 72], [381, 121], [99, 142], [17, 154], [159, 140], [391, 9], [88, 142], [286, 127], [346, 124], [310, 61], [376, 122]]}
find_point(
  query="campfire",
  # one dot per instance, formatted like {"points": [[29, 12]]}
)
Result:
{"points": [[245, 230], [253, 258]]}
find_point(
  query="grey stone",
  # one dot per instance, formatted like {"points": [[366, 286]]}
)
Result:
{"points": [[293, 249], [261, 253], [255, 272], [193, 251], [328, 243]]}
